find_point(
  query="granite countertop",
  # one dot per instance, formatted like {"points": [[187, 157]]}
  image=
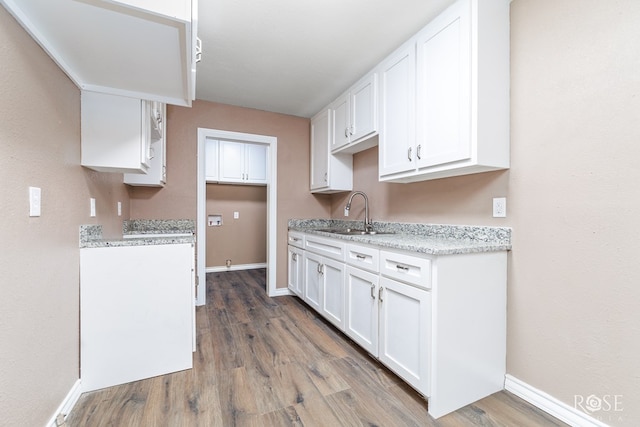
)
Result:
{"points": [[432, 239], [147, 232]]}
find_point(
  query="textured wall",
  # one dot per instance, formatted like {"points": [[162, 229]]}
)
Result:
{"points": [[39, 289]]}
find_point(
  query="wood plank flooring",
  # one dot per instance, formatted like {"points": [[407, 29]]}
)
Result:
{"points": [[273, 362]]}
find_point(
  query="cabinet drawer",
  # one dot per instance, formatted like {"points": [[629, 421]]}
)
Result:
{"points": [[326, 247], [296, 239], [406, 268], [364, 257]]}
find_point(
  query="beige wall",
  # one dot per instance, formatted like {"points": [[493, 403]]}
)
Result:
{"points": [[39, 293], [242, 240], [572, 200], [178, 198]]}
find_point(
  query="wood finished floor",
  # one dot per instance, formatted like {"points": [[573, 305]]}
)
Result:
{"points": [[273, 362]]}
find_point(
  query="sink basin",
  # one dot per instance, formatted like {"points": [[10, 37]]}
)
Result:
{"points": [[353, 232]]}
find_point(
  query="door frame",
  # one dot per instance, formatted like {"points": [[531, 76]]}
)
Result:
{"points": [[201, 224]]}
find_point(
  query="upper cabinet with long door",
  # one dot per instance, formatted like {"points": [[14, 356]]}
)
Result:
{"points": [[329, 173], [355, 117], [458, 122], [142, 49]]}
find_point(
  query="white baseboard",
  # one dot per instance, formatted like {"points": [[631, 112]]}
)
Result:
{"points": [[235, 267], [550, 404], [279, 292], [67, 404]]}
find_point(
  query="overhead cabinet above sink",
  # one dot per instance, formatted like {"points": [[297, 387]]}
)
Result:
{"points": [[142, 49]]}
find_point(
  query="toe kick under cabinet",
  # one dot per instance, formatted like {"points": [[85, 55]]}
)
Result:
{"points": [[437, 321]]}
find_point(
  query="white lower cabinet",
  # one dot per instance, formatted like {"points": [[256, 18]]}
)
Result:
{"points": [[324, 287], [361, 317], [294, 265], [438, 322], [405, 325]]}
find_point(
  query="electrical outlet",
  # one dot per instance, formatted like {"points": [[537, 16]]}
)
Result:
{"points": [[119, 208], [499, 207], [92, 207], [236, 215]]}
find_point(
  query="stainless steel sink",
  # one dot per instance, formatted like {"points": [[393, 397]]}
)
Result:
{"points": [[353, 232]]}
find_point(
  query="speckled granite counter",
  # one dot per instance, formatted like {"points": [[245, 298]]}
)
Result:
{"points": [[432, 239], [165, 233], [158, 226]]}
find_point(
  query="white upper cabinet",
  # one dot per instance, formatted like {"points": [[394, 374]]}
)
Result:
{"points": [[154, 114], [397, 110], [242, 163], [142, 49], [211, 160], [329, 173], [355, 117], [461, 122], [115, 133]]}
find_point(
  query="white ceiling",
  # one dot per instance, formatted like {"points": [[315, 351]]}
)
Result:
{"points": [[296, 56]]}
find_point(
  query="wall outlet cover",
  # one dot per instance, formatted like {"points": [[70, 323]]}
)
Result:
{"points": [[499, 207]]}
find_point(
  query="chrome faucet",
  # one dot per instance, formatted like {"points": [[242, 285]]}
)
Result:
{"points": [[367, 220]]}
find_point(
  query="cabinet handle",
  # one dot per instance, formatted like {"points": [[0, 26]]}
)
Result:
{"points": [[346, 132], [373, 288], [418, 151], [294, 257], [380, 293], [402, 268], [325, 177], [352, 131], [409, 152], [360, 257]]}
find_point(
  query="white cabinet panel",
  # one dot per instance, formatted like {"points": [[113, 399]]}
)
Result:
{"points": [[333, 291], [313, 280], [444, 88], [242, 163], [329, 173], [136, 313], [154, 119], [361, 317], [405, 332], [114, 133], [355, 117], [211, 160], [295, 266]]}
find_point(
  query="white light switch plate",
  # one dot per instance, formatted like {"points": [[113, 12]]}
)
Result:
{"points": [[35, 199], [236, 215], [92, 207]]}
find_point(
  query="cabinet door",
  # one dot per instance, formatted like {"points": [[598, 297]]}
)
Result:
{"points": [[332, 273], [361, 317], [256, 163], [341, 131], [363, 100], [154, 122], [320, 131], [295, 277], [313, 280], [405, 332], [211, 160], [397, 111], [444, 88], [232, 161]]}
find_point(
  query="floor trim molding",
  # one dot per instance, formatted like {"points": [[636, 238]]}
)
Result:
{"points": [[550, 404], [235, 267], [67, 404]]}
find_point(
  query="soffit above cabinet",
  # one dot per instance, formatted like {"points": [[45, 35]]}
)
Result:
{"points": [[116, 47]]}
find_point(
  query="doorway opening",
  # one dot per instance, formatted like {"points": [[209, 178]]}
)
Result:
{"points": [[201, 223]]}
